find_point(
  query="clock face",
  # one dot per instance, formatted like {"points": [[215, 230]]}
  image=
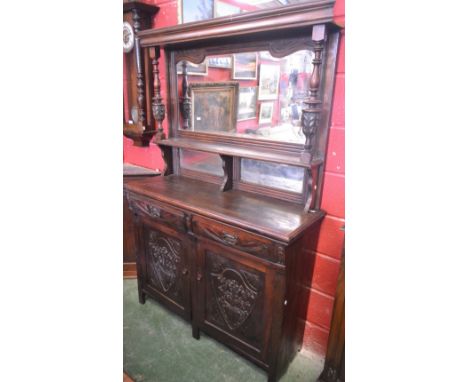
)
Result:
{"points": [[128, 37]]}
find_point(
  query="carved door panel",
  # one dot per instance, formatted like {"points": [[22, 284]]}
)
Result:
{"points": [[234, 296], [166, 270]]}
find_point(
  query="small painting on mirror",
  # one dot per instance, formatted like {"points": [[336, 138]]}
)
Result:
{"points": [[220, 62], [266, 113], [196, 10], [194, 69], [214, 106], [247, 103], [269, 82], [245, 66]]}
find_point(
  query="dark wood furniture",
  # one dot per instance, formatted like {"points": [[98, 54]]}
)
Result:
{"points": [[221, 235], [129, 246], [138, 121], [334, 370]]}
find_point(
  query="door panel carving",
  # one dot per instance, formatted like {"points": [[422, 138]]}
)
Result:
{"points": [[234, 296], [166, 265]]}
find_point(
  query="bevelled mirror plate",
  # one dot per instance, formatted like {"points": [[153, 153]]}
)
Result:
{"points": [[274, 175], [201, 161], [248, 94]]}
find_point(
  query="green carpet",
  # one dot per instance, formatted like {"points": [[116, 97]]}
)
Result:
{"points": [[159, 347]]}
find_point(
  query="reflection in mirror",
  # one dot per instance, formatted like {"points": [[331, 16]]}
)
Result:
{"points": [[264, 93], [275, 175], [200, 161]]}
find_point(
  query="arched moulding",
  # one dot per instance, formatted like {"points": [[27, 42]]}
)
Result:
{"points": [[195, 56], [285, 47]]}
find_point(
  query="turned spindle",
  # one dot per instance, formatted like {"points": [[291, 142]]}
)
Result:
{"points": [[140, 74], [159, 110], [186, 102], [313, 104]]}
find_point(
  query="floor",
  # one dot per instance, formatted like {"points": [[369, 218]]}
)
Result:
{"points": [[158, 347]]}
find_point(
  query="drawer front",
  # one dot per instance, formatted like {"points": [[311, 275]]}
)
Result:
{"points": [[158, 212], [237, 238]]}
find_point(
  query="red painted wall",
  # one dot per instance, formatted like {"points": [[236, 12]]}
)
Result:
{"points": [[323, 254]]}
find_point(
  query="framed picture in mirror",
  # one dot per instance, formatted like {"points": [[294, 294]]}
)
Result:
{"points": [[245, 66], [214, 106], [220, 62], [266, 113], [269, 82], [194, 69], [247, 103]]}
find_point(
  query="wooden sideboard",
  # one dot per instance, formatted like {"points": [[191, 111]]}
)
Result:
{"points": [[230, 263], [129, 249], [221, 235]]}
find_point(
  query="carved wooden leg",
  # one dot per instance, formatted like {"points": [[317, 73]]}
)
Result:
{"points": [[141, 296], [195, 332], [272, 376]]}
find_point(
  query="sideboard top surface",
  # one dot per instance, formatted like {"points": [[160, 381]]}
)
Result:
{"points": [[280, 220]]}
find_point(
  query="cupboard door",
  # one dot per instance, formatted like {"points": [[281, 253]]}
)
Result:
{"points": [[166, 274], [235, 299]]}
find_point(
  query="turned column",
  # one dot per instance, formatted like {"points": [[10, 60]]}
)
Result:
{"points": [[186, 102], [313, 104], [159, 110], [140, 73]]}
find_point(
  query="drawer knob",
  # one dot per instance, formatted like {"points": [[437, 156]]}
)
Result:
{"points": [[184, 271], [199, 276], [230, 239]]}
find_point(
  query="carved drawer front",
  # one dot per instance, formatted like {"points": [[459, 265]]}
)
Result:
{"points": [[233, 300], [158, 212], [166, 268], [234, 237]]}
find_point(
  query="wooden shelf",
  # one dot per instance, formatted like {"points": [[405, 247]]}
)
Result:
{"points": [[278, 219], [293, 159], [271, 20]]}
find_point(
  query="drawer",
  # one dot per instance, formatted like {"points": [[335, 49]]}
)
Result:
{"points": [[238, 239], [158, 212]]}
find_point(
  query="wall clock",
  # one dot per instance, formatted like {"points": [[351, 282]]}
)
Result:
{"points": [[138, 121], [128, 37]]}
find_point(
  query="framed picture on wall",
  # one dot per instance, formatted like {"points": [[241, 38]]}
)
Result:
{"points": [[266, 113], [247, 103], [244, 66], [214, 106], [196, 10], [269, 82], [222, 8], [194, 69]]}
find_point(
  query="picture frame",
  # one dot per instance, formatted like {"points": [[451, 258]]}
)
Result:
{"points": [[223, 62], [268, 85], [244, 66], [194, 69], [214, 106], [222, 8], [247, 105], [196, 10], [266, 113]]}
